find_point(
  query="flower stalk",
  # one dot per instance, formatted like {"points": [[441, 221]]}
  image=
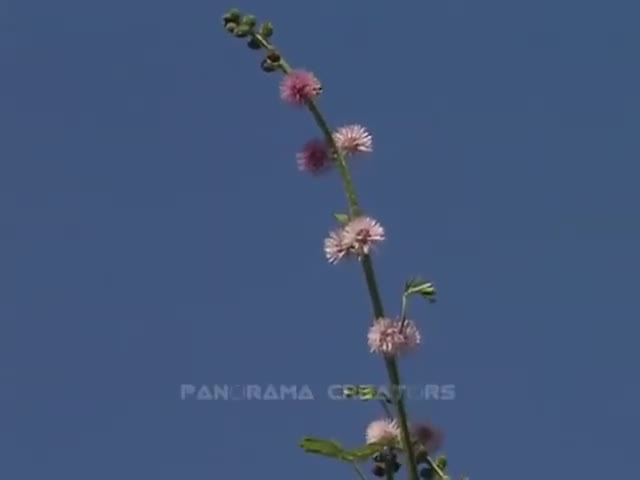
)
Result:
{"points": [[312, 160]]}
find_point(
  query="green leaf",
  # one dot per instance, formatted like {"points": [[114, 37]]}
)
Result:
{"points": [[342, 218], [363, 454], [328, 448], [426, 290], [332, 449]]}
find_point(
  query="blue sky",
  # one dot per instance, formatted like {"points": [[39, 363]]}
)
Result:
{"points": [[156, 233]]}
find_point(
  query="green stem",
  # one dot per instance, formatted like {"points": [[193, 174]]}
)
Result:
{"points": [[349, 187], [358, 471], [436, 468], [389, 470], [367, 264]]}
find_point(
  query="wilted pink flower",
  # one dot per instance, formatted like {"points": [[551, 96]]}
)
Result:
{"points": [[299, 86], [314, 157], [334, 248], [385, 432], [353, 139], [391, 337], [361, 233], [428, 437]]}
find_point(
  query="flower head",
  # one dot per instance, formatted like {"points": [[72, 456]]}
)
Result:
{"points": [[384, 432], [299, 86], [353, 139], [428, 437], [355, 238], [314, 157], [362, 233], [334, 248], [391, 337]]}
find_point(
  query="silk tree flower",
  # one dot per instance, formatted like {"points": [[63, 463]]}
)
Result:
{"points": [[355, 238], [384, 432], [353, 139], [314, 157], [428, 437], [391, 337], [298, 87]]}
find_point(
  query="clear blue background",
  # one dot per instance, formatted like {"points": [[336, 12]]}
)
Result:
{"points": [[156, 231]]}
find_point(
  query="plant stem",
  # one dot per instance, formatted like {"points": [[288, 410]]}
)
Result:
{"points": [[436, 468], [359, 472], [367, 264], [389, 471]]}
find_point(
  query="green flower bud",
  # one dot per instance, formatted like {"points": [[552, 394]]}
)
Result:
{"points": [[266, 29], [231, 27], [242, 31], [232, 15], [254, 44], [249, 21], [441, 462], [267, 66]]}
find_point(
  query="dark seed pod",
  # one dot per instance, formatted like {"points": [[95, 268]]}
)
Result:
{"points": [[378, 458], [254, 44], [274, 57], [422, 457], [425, 473], [379, 471]]}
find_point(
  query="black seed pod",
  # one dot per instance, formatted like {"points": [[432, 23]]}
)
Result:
{"points": [[425, 473], [379, 471], [422, 457], [254, 44], [274, 57]]}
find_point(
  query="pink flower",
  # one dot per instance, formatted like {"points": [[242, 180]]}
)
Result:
{"points": [[361, 234], [391, 337], [314, 157], [299, 86], [385, 432], [356, 238], [428, 437], [353, 139], [334, 248]]}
